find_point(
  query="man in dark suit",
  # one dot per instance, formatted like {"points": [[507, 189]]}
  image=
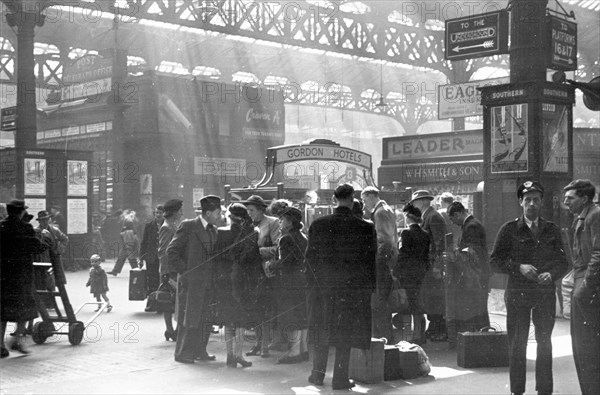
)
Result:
{"points": [[191, 254], [149, 248], [341, 277], [434, 299], [585, 319], [467, 290], [529, 249]]}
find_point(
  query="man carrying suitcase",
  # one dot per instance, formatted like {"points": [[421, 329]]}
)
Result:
{"points": [[529, 249]]}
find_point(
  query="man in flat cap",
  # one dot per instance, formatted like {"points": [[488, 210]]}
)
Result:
{"points": [[529, 249], [191, 253], [585, 305], [341, 277], [19, 242], [433, 291]]}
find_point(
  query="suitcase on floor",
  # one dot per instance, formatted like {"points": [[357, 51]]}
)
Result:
{"points": [[366, 366], [400, 364], [137, 284], [482, 349]]}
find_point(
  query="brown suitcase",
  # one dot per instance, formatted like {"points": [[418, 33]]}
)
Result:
{"points": [[400, 364], [366, 366], [482, 349]]}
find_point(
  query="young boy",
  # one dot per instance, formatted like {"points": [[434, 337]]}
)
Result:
{"points": [[98, 281]]}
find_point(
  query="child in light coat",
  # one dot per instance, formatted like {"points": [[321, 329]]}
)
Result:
{"points": [[98, 281]]}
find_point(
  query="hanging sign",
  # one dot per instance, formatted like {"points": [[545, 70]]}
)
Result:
{"points": [[562, 54]]}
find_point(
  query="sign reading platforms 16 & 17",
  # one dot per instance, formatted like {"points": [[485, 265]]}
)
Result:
{"points": [[477, 35], [563, 44]]}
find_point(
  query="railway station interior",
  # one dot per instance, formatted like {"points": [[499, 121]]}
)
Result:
{"points": [[112, 107]]}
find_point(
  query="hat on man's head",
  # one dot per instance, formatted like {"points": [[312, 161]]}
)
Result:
{"points": [[209, 203], [529, 186], [292, 213], [27, 217], [43, 215], [239, 210], [344, 192], [255, 200], [421, 194], [17, 204], [447, 197], [172, 205]]}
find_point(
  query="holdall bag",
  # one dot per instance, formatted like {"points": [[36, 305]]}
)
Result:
{"points": [[163, 299], [482, 349], [400, 364], [366, 366], [137, 284]]}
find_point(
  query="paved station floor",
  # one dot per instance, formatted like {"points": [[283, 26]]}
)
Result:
{"points": [[124, 352]]}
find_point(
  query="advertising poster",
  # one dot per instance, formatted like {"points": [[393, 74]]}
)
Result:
{"points": [[555, 153], [509, 136], [77, 178], [35, 176], [34, 207], [77, 216], [197, 194]]}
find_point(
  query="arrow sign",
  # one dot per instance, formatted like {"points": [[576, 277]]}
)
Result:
{"points": [[477, 35], [487, 44], [562, 51]]}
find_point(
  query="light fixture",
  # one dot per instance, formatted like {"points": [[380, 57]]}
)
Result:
{"points": [[381, 102]]}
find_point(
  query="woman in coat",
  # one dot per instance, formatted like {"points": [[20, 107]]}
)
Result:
{"points": [[237, 275], [19, 243], [291, 285], [413, 263]]}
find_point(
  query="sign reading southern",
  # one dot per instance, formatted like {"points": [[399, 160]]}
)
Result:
{"points": [[322, 152], [477, 35], [463, 100], [408, 148], [562, 53]]}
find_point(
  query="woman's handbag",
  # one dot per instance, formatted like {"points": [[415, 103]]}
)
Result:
{"points": [[397, 301], [163, 299]]}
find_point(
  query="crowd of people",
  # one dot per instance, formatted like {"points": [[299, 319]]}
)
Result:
{"points": [[254, 266]]}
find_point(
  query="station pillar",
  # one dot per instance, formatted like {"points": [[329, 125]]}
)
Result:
{"points": [[528, 125]]}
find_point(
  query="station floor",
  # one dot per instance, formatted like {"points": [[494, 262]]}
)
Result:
{"points": [[124, 352]]}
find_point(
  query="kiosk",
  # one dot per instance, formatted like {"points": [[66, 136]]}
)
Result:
{"points": [[308, 173]]}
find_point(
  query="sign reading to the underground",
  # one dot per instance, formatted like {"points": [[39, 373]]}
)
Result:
{"points": [[323, 152], [562, 54], [477, 35]]}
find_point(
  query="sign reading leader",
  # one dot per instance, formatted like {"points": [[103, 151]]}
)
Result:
{"points": [[477, 35]]}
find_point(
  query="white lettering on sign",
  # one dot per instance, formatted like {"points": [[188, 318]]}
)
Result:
{"points": [[296, 153], [463, 100], [555, 93], [508, 94], [459, 37], [253, 115]]}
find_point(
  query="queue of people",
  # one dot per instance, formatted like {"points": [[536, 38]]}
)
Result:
{"points": [[258, 272]]}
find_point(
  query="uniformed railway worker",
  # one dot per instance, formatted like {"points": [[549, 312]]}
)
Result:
{"points": [[529, 249]]}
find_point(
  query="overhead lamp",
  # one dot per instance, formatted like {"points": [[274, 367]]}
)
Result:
{"points": [[381, 102]]}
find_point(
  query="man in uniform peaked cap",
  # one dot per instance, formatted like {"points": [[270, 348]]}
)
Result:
{"points": [[529, 249], [191, 254]]}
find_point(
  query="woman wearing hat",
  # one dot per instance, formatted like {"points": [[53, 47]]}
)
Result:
{"points": [[238, 271], [291, 285], [413, 263], [268, 236]]}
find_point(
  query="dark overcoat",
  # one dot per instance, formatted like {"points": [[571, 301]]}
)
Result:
{"points": [[341, 276], [432, 290], [149, 244], [238, 269], [190, 253], [413, 257], [18, 243], [468, 273], [291, 281]]}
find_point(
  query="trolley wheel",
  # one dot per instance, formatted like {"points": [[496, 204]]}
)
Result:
{"points": [[76, 332], [41, 331]]}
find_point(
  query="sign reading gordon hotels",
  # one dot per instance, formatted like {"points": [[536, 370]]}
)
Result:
{"points": [[322, 152]]}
